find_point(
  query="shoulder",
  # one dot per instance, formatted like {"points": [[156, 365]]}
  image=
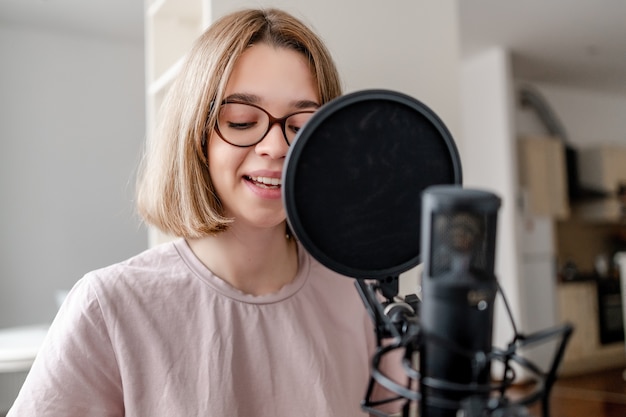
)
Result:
{"points": [[153, 263], [147, 278], [163, 255]]}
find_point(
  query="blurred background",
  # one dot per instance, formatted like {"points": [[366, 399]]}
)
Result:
{"points": [[81, 81]]}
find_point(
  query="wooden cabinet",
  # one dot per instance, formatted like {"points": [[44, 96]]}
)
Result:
{"points": [[578, 305], [543, 175], [603, 167], [577, 241]]}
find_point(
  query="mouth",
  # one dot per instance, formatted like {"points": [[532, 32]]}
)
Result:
{"points": [[264, 182]]}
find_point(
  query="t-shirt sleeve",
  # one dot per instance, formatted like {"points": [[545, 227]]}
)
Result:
{"points": [[75, 372]]}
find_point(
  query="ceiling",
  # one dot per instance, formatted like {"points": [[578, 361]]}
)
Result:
{"points": [[569, 42]]}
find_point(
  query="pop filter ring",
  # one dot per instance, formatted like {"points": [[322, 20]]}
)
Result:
{"points": [[363, 160]]}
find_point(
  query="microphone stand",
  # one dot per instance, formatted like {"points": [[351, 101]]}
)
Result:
{"points": [[398, 326], [395, 323]]}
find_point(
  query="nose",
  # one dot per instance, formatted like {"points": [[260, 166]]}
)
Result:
{"points": [[274, 144]]}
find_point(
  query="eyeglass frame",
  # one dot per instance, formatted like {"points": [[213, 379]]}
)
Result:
{"points": [[272, 121]]}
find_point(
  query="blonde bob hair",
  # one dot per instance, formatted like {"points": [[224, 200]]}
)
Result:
{"points": [[175, 192]]}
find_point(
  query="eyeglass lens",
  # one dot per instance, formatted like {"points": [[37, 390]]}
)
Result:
{"points": [[245, 125]]}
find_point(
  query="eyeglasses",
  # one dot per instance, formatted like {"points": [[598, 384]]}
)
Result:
{"points": [[245, 124]]}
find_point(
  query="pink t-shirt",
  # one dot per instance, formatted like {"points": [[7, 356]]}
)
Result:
{"points": [[160, 335]]}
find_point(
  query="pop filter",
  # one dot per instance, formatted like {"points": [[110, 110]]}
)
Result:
{"points": [[353, 179]]}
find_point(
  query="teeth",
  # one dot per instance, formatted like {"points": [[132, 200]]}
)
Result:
{"points": [[267, 180]]}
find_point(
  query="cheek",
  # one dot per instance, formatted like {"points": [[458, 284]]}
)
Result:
{"points": [[224, 161]]}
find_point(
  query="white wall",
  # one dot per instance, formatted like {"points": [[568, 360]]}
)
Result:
{"points": [[589, 117], [72, 124], [489, 162]]}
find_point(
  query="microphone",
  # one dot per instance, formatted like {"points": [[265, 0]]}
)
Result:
{"points": [[458, 293], [357, 180], [450, 328]]}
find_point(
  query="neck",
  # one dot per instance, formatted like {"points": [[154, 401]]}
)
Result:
{"points": [[255, 262]]}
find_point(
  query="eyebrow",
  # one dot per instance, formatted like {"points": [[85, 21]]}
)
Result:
{"points": [[306, 104], [254, 99]]}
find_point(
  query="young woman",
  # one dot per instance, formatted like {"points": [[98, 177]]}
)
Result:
{"points": [[234, 318]]}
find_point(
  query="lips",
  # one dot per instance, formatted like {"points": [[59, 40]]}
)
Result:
{"points": [[265, 182]]}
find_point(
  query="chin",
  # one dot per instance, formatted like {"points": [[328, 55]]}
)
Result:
{"points": [[263, 222]]}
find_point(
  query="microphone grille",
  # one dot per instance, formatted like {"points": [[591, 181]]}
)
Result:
{"points": [[459, 243], [461, 234]]}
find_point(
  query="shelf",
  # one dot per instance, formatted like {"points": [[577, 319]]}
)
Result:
{"points": [[171, 28], [160, 85], [185, 9], [608, 210]]}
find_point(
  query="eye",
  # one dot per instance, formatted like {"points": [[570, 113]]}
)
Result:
{"points": [[240, 125], [293, 128], [237, 116], [297, 121]]}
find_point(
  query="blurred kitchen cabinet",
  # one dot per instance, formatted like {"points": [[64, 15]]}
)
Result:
{"points": [[543, 176], [578, 304], [603, 167]]}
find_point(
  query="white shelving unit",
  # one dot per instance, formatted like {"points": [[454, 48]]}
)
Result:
{"points": [[171, 28]]}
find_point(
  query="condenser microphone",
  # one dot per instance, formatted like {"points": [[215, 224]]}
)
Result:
{"points": [[458, 293], [371, 187]]}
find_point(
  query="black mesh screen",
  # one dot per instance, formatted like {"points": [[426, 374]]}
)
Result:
{"points": [[355, 184]]}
